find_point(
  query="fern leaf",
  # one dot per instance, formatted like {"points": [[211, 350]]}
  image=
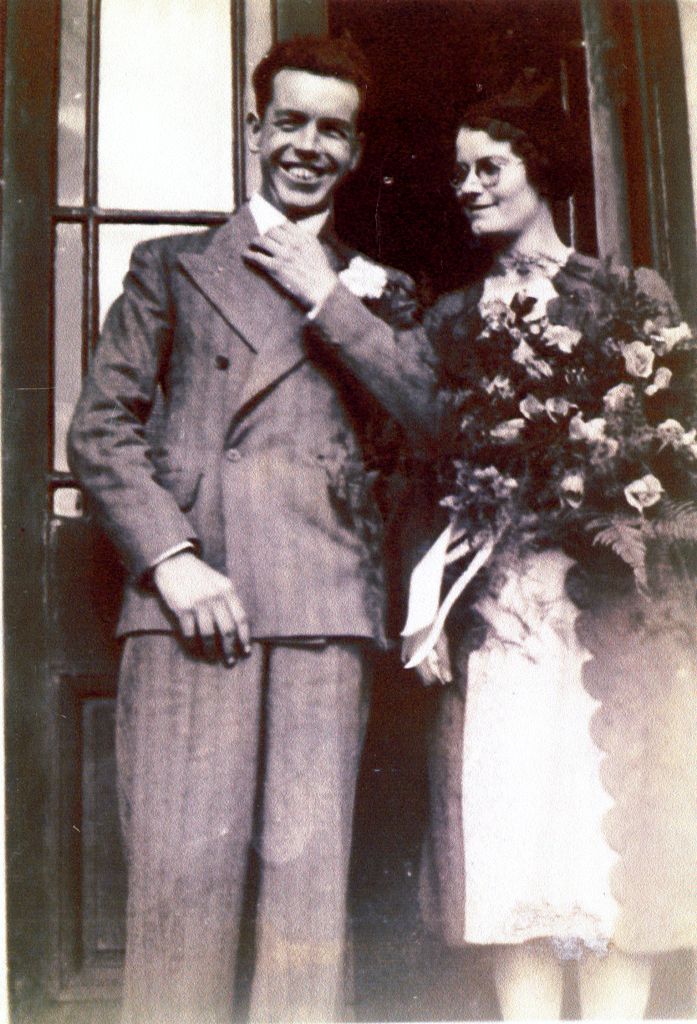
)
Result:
{"points": [[678, 522], [628, 543], [678, 530]]}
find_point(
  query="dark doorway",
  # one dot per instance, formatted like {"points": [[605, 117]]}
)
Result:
{"points": [[430, 59]]}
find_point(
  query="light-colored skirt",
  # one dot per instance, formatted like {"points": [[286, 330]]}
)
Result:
{"points": [[563, 769], [536, 860]]}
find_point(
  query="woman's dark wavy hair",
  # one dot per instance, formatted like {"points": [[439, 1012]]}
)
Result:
{"points": [[320, 55], [539, 131]]}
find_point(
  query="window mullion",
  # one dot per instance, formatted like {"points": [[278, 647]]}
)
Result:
{"points": [[92, 141]]}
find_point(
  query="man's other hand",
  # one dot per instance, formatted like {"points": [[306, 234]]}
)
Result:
{"points": [[206, 606], [296, 261]]}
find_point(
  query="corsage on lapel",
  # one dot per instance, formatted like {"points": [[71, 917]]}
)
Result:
{"points": [[365, 279], [387, 293]]}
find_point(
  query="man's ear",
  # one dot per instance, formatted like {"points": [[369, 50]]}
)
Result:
{"points": [[253, 125]]}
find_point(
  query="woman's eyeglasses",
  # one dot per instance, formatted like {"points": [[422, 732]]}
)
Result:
{"points": [[487, 170]]}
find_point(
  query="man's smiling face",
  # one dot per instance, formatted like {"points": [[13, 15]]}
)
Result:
{"points": [[306, 140]]}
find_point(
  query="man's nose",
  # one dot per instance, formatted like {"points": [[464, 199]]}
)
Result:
{"points": [[306, 139]]}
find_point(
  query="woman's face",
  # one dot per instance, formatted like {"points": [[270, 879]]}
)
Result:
{"points": [[492, 186]]}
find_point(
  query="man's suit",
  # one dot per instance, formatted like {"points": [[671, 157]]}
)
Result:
{"points": [[215, 413]]}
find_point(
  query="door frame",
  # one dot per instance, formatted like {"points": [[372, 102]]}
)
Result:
{"points": [[31, 28], [636, 77]]}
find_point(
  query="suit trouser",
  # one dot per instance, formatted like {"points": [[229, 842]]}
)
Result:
{"points": [[190, 750]]}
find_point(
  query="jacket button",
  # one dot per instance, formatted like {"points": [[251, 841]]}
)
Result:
{"points": [[222, 362], [232, 455]]}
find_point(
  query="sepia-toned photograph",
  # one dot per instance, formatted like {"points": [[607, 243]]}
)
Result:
{"points": [[349, 484]]}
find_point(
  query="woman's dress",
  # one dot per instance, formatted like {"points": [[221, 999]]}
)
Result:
{"points": [[563, 760]]}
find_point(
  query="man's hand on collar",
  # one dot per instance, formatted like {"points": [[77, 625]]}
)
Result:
{"points": [[296, 261]]}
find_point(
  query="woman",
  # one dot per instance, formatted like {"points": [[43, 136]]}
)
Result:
{"points": [[564, 787]]}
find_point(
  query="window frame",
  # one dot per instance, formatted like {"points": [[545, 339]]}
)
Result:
{"points": [[91, 216]]}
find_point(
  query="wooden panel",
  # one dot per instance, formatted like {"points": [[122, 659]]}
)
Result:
{"points": [[85, 585], [91, 872], [103, 902]]}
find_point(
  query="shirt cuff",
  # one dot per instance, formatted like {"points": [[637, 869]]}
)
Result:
{"points": [[185, 545]]}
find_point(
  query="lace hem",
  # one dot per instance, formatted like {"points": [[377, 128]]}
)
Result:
{"points": [[571, 932]]}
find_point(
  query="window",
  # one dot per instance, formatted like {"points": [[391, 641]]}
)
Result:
{"points": [[148, 143]]}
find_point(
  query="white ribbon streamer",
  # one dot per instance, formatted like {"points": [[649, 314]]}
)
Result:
{"points": [[424, 591], [425, 584]]}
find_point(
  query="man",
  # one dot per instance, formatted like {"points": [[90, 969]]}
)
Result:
{"points": [[228, 400]]}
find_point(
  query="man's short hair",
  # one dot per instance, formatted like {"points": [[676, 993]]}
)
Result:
{"points": [[320, 55]]}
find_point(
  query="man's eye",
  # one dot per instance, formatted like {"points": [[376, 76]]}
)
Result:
{"points": [[287, 124], [335, 132]]}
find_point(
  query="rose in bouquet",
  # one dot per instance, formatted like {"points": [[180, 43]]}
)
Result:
{"points": [[583, 420]]}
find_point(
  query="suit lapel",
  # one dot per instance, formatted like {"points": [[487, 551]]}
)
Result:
{"points": [[340, 255], [284, 348], [262, 315]]}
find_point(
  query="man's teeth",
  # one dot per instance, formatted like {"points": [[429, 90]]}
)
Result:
{"points": [[302, 173]]}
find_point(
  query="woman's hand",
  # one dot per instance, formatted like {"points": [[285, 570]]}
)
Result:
{"points": [[435, 669]]}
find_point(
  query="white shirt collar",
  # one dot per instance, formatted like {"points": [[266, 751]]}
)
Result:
{"points": [[267, 216]]}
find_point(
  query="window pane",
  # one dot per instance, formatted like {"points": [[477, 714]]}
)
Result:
{"points": [[67, 371], [116, 242], [67, 503], [71, 103], [165, 105]]}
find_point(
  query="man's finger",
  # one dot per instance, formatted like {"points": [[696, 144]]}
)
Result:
{"points": [[205, 625], [264, 244], [432, 662], [241, 622], [227, 633], [286, 235], [260, 259], [187, 625]]}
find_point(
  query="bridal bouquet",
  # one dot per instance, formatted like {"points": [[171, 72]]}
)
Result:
{"points": [[582, 420]]}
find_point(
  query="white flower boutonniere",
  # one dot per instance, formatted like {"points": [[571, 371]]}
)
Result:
{"points": [[365, 279]]}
